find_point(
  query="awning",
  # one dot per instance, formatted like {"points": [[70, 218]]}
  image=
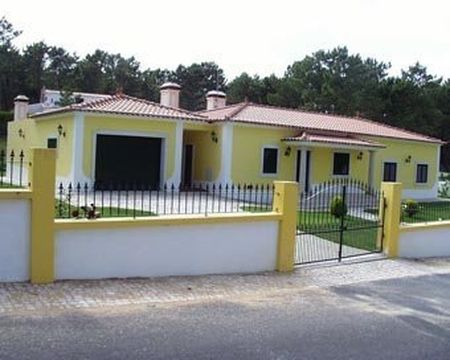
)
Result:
{"points": [[343, 142]]}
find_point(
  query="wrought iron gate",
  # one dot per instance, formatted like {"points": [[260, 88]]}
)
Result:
{"points": [[339, 219]]}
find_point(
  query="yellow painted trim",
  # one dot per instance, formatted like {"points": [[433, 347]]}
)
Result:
{"points": [[285, 203], [424, 226], [43, 172], [393, 195], [172, 220], [14, 194]]}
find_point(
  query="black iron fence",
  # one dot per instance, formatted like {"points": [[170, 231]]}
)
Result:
{"points": [[414, 212], [12, 170], [339, 219], [91, 201]]}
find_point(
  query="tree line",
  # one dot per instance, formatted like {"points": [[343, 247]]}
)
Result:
{"points": [[332, 81]]}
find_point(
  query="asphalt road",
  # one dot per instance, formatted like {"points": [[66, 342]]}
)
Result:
{"points": [[407, 318]]}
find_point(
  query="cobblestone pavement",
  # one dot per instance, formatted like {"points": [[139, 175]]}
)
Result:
{"points": [[19, 297], [312, 248]]}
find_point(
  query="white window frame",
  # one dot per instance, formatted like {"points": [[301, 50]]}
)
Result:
{"points": [[428, 173], [262, 160], [338, 176]]}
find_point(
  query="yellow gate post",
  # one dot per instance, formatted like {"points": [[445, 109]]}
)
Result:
{"points": [[285, 200], [391, 227], [42, 181]]}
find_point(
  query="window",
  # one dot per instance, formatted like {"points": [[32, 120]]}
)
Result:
{"points": [[422, 174], [270, 160], [52, 143], [390, 171], [341, 164]]}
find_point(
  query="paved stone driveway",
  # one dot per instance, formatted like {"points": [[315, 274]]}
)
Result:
{"points": [[19, 297], [312, 248]]}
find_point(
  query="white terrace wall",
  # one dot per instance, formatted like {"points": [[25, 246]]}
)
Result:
{"points": [[162, 250], [424, 240], [14, 239]]}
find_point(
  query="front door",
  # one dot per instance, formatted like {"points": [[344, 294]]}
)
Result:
{"points": [[188, 154], [297, 174]]}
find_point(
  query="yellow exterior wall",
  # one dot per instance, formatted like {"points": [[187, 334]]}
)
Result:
{"points": [[398, 151], [321, 164], [124, 125], [248, 143], [36, 134], [206, 162]]}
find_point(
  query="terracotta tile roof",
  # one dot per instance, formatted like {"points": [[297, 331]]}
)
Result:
{"points": [[333, 139], [126, 105], [275, 116]]}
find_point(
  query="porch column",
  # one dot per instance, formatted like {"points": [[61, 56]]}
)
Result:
{"points": [[226, 144], [175, 179], [371, 175], [77, 171], [302, 172]]}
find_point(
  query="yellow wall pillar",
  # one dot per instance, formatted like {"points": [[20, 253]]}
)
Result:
{"points": [[42, 181], [393, 195], [285, 202]]}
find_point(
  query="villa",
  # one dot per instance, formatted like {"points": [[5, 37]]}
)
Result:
{"points": [[117, 139]]}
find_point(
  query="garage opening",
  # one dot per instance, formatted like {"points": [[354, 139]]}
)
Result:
{"points": [[125, 161]]}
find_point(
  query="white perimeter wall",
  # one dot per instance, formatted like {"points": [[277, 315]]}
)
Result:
{"points": [[166, 250], [425, 242], [14, 240]]}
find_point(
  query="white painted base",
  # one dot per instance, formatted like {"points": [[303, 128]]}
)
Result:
{"points": [[426, 242], [421, 194], [166, 250], [14, 240]]}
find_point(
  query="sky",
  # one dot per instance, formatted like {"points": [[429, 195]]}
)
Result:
{"points": [[258, 37]]}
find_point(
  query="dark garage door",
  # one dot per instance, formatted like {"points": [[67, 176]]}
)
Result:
{"points": [[124, 161]]}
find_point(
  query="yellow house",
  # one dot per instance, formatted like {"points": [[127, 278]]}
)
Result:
{"points": [[126, 140]]}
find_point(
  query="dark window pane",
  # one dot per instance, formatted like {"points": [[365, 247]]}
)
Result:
{"points": [[270, 161], [341, 164], [390, 172], [422, 174], [52, 143]]}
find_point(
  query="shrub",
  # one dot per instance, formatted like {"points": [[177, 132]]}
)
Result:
{"points": [[338, 207], [444, 189], [411, 207]]}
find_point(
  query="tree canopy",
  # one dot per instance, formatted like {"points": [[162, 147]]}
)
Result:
{"points": [[332, 81]]}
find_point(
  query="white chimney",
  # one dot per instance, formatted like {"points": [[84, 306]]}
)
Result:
{"points": [[21, 107], [170, 94], [215, 99]]}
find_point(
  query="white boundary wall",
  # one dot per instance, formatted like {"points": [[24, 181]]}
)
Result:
{"points": [[418, 241], [217, 248], [14, 240]]}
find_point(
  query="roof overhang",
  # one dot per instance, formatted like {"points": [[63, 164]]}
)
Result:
{"points": [[336, 142]]}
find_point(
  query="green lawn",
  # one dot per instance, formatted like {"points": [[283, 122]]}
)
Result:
{"points": [[360, 233], [62, 210], [429, 211], [256, 209]]}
